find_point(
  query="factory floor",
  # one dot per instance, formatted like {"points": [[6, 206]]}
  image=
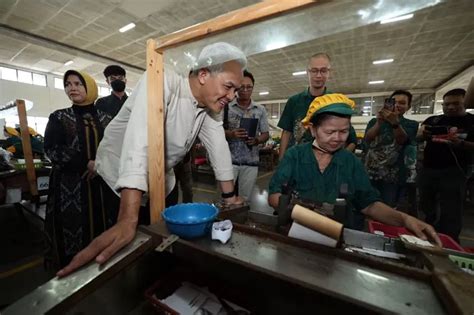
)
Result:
{"points": [[23, 242]]}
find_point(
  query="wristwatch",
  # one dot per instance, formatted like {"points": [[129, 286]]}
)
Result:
{"points": [[228, 194]]}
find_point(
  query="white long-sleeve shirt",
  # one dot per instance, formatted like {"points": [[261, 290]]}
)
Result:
{"points": [[122, 156]]}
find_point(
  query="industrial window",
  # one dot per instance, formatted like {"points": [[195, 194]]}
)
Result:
{"points": [[8, 74], [24, 77], [39, 79], [58, 83]]}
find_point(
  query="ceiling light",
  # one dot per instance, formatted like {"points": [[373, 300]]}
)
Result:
{"points": [[376, 82], [274, 116], [264, 93], [398, 18], [368, 101], [439, 101], [365, 114], [378, 62], [127, 27], [299, 73], [367, 107], [67, 63]]}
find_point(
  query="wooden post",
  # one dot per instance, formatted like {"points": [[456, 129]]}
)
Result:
{"points": [[156, 131], [234, 19], [26, 144]]}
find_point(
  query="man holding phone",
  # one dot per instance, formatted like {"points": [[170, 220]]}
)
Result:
{"points": [[448, 153], [390, 137], [246, 126]]}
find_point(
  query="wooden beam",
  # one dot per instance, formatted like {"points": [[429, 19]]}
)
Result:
{"points": [[26, 144], [231, 20], [156, 128]]}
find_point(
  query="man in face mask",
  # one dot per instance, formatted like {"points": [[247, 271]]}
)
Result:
{"points": [[116, 79]]}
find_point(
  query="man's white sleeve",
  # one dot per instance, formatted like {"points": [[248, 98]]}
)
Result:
{"points": [[213, 137], [133, 171]]}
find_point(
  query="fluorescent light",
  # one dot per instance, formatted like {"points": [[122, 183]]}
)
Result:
{"points": [[274, 116], [376, 82], [69, 62], [127, 27], [370, 274], [299, 73], [275, 45], [264, 93], [365, 114], [439, 101], [368, 101], [367, 107], [425, 106], [378, 62], [398, 18]]}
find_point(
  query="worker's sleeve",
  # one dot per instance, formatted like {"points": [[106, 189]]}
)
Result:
{"points": [[284, 173]]}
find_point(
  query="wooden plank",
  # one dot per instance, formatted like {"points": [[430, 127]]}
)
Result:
{"points": [[156, 139], [453, 286], [231, 20], [26, 144]]}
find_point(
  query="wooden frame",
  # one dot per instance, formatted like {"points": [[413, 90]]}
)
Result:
{"points": [[156, 146]]}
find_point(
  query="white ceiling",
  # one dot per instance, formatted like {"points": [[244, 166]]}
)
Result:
{"points": [[434, 46]]}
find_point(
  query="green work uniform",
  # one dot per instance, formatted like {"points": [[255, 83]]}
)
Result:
{"points": [[388, 161], [295, 110], [299, 169], [352, 138]]}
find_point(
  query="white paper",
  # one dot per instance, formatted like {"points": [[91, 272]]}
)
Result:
{"points": [[415, 240], [375, 252], [303, 233]]}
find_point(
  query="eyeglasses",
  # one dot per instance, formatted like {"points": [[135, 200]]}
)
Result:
{"points": [[315, 71], [246, 88]]}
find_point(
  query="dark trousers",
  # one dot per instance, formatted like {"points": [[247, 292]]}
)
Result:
{"points": [[443, 189]]}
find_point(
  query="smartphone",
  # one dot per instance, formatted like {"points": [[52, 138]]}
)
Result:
{"points": [[389, 104]]}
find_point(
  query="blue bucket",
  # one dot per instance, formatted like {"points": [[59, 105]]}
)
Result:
{"points": [[190, 220]]}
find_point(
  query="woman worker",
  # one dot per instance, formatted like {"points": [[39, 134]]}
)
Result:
{"points": [[76, 211], [320, 171]]}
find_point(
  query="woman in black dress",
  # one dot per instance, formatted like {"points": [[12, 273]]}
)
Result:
{"points": [[76, 211]]}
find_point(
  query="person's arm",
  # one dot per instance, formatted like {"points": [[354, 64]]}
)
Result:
{"points": [[284, 141], [383, 213], [111, 241], [373, 128], [283, 175], [213, 138], [351, 147]]}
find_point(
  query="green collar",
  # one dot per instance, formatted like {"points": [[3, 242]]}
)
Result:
{"points": [[306, 92]]}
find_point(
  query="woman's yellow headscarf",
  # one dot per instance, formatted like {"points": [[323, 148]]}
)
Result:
{"points": [[333, 103], [88, 82]]}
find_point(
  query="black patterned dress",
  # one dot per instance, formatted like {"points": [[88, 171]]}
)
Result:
{"points": [[76, 211]]}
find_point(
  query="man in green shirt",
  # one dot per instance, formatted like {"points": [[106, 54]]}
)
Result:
{"points": [[319, 66], [318, 170], [391, 140]]}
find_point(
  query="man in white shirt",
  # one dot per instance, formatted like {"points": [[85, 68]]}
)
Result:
{"points": [[192, 105]]}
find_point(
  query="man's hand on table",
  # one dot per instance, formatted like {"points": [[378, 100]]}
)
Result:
{"points": [[103, 247]]}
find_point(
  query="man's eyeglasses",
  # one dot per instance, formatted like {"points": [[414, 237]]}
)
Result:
{"points": [[246, 88], [315, 71]]}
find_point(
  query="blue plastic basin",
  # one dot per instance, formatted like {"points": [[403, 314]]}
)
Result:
{"points": [[190, 220]]}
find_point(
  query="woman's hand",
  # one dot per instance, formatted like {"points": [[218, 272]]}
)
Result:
{"points": [[91, 173], [421, 229]]}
